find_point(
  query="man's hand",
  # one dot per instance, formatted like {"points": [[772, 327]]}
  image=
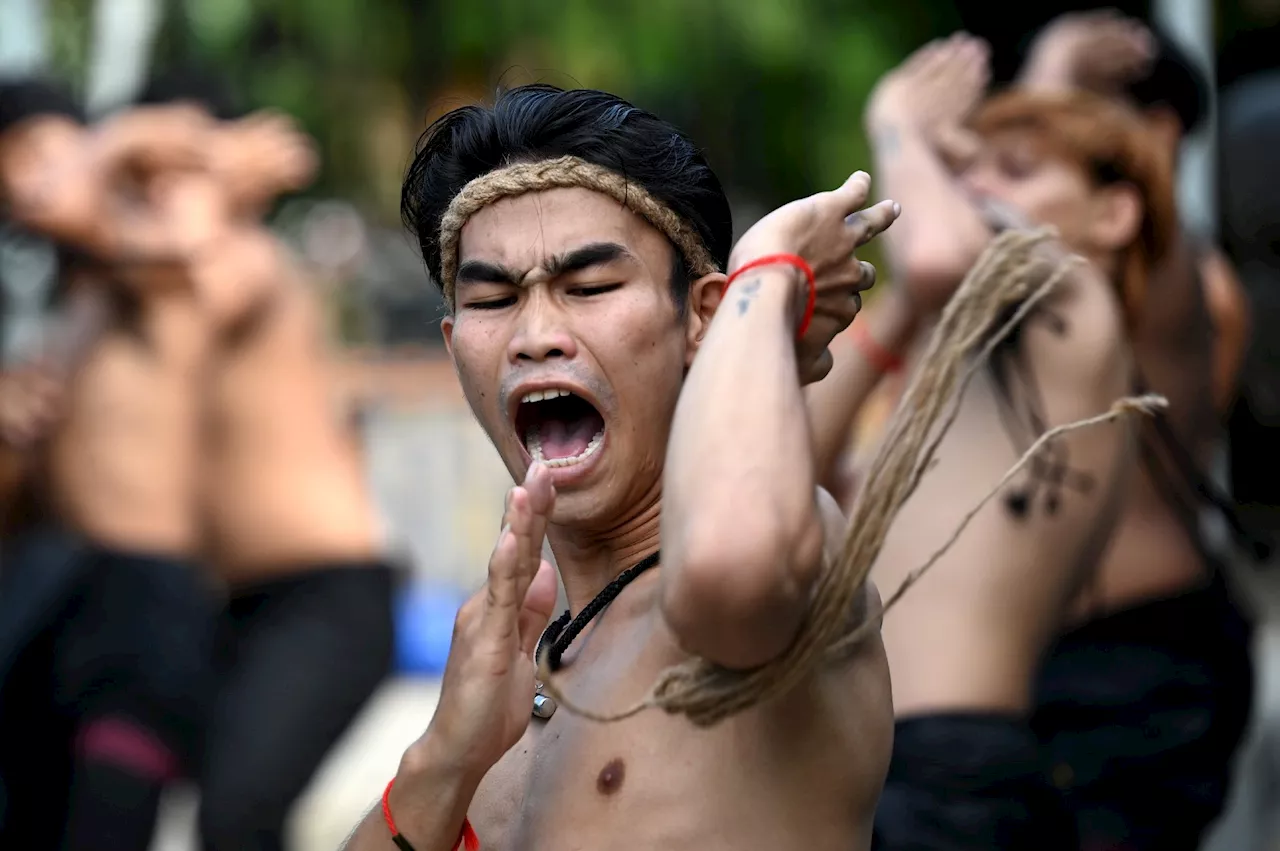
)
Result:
{"points": [[825, 229], [261, 157], [30, 403], [487, 695], [1098, 50], [933, 91]]}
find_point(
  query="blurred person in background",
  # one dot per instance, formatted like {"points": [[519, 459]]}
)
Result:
{"points": [[1198, 328], [1184, 700], [149, 394], [968, 769], [39, 121], [103, 688], [639, 404], [290, 527]]}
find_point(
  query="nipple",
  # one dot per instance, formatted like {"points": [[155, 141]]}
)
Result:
{"points": [[611, 776]]}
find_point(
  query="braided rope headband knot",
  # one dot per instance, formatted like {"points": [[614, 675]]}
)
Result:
{"points": [[563, 173]]}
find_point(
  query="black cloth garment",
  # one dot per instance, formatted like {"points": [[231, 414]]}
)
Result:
{"points": [[1140, 713], [964, 781], [296, 660], [104, 685]]}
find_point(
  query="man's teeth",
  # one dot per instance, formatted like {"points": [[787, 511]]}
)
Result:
{"points": [[535, 450], [544, 395]]}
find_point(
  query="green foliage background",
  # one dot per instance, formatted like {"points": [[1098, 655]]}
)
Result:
{"points": [[773, 89]]}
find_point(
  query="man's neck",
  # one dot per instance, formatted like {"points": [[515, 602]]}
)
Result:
{"points": [[588, 561]]}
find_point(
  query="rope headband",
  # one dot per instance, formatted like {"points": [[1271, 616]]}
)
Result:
{"points": [[563, 173]]}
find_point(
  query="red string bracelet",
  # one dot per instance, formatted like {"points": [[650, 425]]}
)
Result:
{"points": [[466, 838], [793, 260], [871, 349]]}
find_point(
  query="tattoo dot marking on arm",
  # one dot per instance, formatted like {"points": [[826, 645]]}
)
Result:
{"points": [[747, 292]]}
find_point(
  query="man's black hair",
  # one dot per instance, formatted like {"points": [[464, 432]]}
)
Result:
{"points": [[538, 122], [193, 85], [1175, 81], [25, 98]]}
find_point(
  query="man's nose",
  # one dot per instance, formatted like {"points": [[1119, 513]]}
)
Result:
{"points": [[543, 331]]}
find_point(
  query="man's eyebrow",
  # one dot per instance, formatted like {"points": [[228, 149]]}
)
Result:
{"points": [[482, 272], [595, 254], [576, 260]]}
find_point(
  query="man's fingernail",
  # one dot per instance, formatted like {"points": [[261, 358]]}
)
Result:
{"points": [[897, 209]]}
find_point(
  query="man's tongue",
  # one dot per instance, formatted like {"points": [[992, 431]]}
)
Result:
{"points": [[566, 438]]}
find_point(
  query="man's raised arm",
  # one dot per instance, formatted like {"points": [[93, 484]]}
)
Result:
{"points": [[914, 109], [742, 536]]}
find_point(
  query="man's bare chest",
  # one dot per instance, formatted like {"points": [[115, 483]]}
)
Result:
{"points": [[577, 784], [656, 781]]}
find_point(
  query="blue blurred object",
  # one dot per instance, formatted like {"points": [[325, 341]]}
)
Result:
{"points": [[424, 628]]}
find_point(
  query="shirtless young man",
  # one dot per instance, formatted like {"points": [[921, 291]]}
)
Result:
{"points": [[1202, 315], [60, 182], [111, 711], [964, 646], [124, 467], [1132, 664], [306, 634], [287, 519], [664, 415]]}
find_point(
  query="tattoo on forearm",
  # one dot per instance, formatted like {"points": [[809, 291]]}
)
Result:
{"points": [[747, 292]]}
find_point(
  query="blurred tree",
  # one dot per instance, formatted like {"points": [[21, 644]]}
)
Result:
{"points": [[773, 88], [68, 25]]}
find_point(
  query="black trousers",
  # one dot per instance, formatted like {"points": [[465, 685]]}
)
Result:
{"points": [[1141, 712], [105, 673], [296, 659], [969, 782]]}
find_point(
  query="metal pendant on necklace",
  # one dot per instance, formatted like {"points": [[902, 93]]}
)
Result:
{"points": [[543, 706], [561, 632]]}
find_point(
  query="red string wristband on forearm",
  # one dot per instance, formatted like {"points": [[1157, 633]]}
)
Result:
{"points": [[793, 260], [466, 838], [875, 353]]}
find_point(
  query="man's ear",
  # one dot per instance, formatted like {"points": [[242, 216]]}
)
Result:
{"points": [[705, 295], [1117, 217], [446, 331]]}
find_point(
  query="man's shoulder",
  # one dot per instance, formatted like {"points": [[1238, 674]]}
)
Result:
{"points": [[1079, 338]]}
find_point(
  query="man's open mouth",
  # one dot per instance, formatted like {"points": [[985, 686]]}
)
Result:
{"points": [[558, 427]]}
